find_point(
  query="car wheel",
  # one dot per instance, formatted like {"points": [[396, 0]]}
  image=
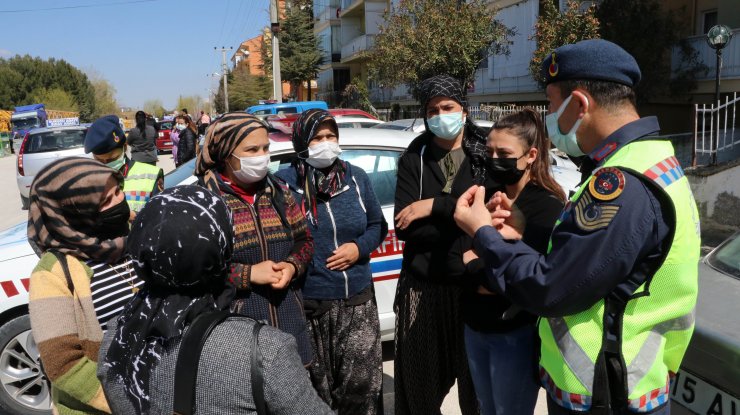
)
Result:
{"points": [[25, 389], [24, 202]]}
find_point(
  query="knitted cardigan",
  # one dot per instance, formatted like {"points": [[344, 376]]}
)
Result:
{"points": [[68, 335]]}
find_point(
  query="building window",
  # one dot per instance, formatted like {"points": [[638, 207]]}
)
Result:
{"points": [[708, 19]]}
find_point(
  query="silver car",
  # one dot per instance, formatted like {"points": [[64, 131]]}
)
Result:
{"points": [[41, 147]]}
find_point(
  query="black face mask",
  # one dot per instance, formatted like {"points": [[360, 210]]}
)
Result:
{"points": [[504, 170], [113, 222]]}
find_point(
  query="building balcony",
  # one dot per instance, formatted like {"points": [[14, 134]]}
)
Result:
{"points": [[351, 51], [352, 8], [708, 56], [326, 14]]}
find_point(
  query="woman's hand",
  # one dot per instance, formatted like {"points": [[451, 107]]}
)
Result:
{"points": [[506, 217], [417, 210], [344, 257], [468, 256], [264, 273], [286, 271]]}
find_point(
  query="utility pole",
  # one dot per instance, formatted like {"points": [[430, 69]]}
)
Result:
{"points": [[277, 84], [224, 72]]}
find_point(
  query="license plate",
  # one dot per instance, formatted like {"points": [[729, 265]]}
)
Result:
{"points": [[702, 397], [168, 143]]}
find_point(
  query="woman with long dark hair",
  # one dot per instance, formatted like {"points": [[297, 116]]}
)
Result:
{"points": [[500, 339], [142, 140]]}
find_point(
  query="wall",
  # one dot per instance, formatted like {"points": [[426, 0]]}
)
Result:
{"points": [[717, 193]]}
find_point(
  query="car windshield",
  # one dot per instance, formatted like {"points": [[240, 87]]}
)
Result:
{"points": [[165, 125], [389, 126], [24, 123], [727, 257], [54, 141]]}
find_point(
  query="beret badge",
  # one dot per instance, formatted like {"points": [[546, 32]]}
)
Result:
{"points": [[116, 139], [553, 69]]}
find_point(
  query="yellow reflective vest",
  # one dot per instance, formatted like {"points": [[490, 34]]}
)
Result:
{"points": [[139, 184]]}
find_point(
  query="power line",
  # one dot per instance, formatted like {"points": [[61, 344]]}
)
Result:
{"points": [[81, 6]]}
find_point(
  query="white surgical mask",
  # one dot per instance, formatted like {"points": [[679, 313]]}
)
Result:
{"points": [[323, 154], [180, 127], [446, 126], [564, 142], [253, 169]]}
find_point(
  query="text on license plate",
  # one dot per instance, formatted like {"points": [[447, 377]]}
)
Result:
{"points": [[168, 143], [702, 397]]}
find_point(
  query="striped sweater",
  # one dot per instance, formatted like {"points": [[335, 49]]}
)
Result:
{"points": [[68, 335]]}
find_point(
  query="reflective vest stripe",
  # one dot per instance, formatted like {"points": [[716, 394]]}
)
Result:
{"points": [[650, 400], [142, 176], [647, 354], [571, 401], [665, 172], [573, 355]]}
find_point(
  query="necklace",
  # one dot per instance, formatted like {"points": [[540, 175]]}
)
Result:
{"points": [[126, 276]]}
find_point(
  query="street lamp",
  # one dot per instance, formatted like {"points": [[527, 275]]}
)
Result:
{"points": [[718, 37]]}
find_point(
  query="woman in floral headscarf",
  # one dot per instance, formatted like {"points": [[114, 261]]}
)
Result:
{"points": [[347, 224], [272, 246]]}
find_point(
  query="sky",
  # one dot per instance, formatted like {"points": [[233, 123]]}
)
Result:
{"points": [[148, 49]]}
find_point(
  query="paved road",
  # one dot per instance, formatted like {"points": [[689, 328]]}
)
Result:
{"points": [[10, 205]]}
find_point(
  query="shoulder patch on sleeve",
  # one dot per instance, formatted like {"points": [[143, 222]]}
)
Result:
{"points": [[606, 184], [591, 214]]}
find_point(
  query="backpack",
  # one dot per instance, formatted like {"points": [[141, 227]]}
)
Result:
{"points": [[186, 369]]}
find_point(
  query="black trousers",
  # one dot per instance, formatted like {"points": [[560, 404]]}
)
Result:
{"points": [[430, 349]]}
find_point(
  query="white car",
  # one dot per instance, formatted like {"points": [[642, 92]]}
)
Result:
{"points": [[416, 125], [357, 122], [376, 151], [41, 147]]}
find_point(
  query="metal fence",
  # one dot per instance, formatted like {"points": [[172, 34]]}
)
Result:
{"points": [[715, 137], [496, 112]]}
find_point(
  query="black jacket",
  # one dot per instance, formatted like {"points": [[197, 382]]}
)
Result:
{"points": [[431, 251], [186, 146]]}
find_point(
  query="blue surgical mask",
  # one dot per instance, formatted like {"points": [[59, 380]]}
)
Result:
{"points": [[446, 126], [180, 127], [117, 163], [567, 143]]}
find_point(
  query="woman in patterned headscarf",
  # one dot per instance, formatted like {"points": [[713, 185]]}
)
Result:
{"points": [[272, 246], [347, 224], [78, 222]]}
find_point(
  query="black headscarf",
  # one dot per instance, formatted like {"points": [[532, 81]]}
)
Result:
{"points": [[311, 180], [181, 245], [474, 138]]}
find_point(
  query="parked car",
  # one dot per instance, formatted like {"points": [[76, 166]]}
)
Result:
{"points": [[417, 125], [709, 379], [164, 143], [284, 108], [284, 122], [377, 152], [42, 146], [357, 122]]}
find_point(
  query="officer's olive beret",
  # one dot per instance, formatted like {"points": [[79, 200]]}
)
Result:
{"points": [[593, 59], [104, 135]]}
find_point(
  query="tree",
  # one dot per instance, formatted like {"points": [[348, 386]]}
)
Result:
{"points": [[356, 95], [105, 94], [246, 89], [555, 29], [423, 38], [55, 99], [155, 107], [23, 76], [300, 55], [192, 103], [625, 22]]}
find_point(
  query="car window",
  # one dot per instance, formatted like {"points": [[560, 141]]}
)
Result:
{"points": [[54, 141], [165, 125], [181, 173], [389, 126], [345, 125], [288, 110], [727, 258], [367, 124], [380, 166], [261, 112]]}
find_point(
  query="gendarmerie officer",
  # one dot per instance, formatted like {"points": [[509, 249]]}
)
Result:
{"points": [[107, 142], [619, 284]]}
